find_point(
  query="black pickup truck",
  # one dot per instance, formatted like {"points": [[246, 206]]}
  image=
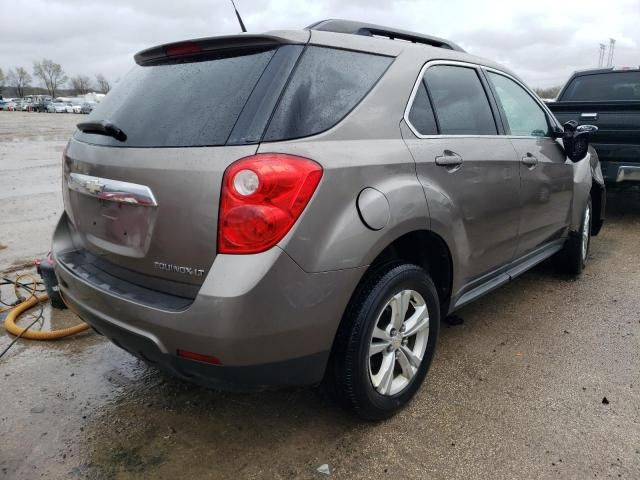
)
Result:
{"points": [[609, 99]]}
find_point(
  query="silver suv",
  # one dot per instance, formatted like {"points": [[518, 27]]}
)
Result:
{"points": [[304, 207]]}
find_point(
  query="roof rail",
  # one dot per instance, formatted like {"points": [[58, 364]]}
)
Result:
{"points": [[371, 30]]}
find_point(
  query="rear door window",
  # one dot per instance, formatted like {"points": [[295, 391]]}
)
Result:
{"points": [[610, 86], [326, 85], [459, 101], [421, 114]]}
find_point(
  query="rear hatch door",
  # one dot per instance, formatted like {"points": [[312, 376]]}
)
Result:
{"points": [[146, 200]]}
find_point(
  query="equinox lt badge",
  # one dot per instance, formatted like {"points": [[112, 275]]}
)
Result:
{"points": [[169, 267]]}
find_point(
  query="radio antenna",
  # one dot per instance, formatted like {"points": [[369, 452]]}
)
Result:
{"points": [[244, 29]]}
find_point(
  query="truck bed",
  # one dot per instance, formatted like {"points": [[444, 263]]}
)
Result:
{"points": [[617, 118]]}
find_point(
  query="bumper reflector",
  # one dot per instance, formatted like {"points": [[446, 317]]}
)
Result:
{"points": [[200, 357]]}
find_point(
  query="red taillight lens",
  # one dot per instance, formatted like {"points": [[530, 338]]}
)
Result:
{"points": [[262, 197]]}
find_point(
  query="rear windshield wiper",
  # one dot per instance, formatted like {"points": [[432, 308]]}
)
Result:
{"points": [[103, 127]]}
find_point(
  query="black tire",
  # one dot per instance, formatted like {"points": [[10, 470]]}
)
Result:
{"points": [[572, 259], [348, 374]]}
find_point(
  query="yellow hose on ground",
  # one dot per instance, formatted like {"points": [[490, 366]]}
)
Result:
{"points": [[12, 316]]}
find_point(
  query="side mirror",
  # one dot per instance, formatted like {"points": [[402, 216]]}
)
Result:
{"points": [[556, 132], [576, 139]]}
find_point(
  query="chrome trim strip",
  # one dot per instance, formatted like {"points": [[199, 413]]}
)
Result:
{"points": [[628, 172], [414, 92], [476, 67], [112, 190]]}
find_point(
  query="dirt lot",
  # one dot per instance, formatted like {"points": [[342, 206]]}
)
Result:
{"points": [[516, 391]]}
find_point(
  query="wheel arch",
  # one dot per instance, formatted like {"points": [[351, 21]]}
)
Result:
{"points": [[428, 250], [422, 247]]}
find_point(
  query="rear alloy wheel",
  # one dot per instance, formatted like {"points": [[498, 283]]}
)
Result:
{"points": [[573, 257], [386, 341], [398, 342]]}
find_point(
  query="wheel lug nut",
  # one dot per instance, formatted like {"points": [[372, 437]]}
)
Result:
{"points": [[393, 332]]}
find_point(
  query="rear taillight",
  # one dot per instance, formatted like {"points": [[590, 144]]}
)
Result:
{"points": [[262, 197]]}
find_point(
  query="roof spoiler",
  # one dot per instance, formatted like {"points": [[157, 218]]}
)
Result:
{"points": [[200, 46], [371, 30]]}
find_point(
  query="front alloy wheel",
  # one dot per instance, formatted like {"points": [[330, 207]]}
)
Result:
{"points": [[573, 257], [586, 232]]}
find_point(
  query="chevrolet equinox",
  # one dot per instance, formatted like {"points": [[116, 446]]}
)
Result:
{"points": [[304, 207]]}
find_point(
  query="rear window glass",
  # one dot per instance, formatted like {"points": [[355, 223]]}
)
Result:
{"points": [[459, 100], [604, 87], [326, 85], [182, 104]]}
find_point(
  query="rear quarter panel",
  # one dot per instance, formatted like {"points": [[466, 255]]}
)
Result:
{"points": [[363, 150]]}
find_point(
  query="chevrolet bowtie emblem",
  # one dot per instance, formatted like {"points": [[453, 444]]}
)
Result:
{"points": [[93, 186]]}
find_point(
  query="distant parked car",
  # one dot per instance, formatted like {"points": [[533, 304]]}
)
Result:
{"points": [[57, 107], [87, 107], [41, 106], [77, 107], [26, 106], [69, 107], [9, 105]]}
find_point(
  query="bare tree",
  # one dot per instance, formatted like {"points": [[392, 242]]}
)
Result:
{"points": [[51, 74], [2, 80], [19, 79], [551, 92], [103, 84], [81, 84]]}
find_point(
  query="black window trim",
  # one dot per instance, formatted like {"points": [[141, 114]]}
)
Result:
{"points": [[551, 120], [481, 78]]}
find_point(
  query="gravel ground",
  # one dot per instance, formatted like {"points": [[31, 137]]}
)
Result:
{"points": [[516, 391]]}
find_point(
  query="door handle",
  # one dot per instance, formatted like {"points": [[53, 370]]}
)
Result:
{"points": [[449, 159], [589, 116], [529, 160]]}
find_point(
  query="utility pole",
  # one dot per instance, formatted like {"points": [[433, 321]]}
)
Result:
{"points": [[603, 47], [612, 44]]}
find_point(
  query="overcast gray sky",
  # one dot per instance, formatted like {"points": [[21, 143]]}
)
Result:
{"points": [[541, 40]]}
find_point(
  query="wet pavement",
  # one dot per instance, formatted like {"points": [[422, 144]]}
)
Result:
{"points": [[516, 391], [31, 146]]}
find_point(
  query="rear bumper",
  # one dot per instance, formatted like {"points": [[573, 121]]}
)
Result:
{"points": [[306, 370], [266, 320], [617, 172], [620, 171]]}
